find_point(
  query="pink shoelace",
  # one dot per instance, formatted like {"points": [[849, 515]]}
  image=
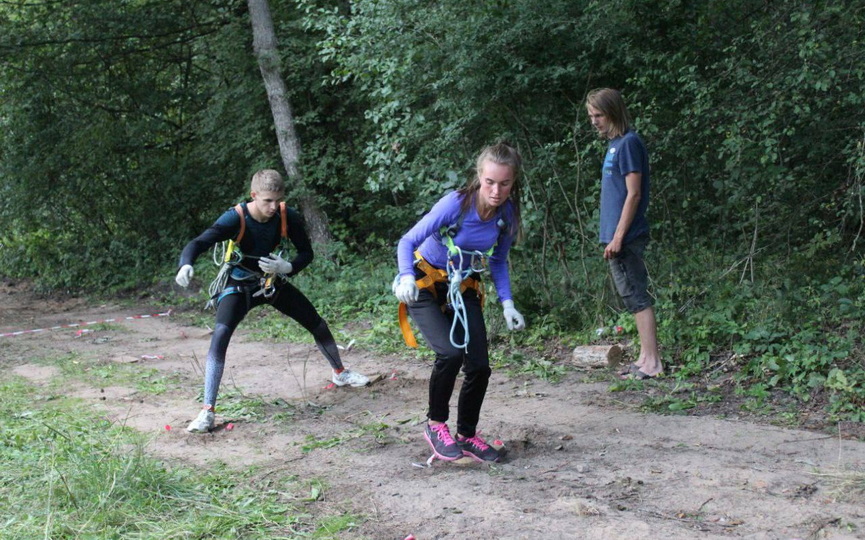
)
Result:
{"points": [[443, 433], [477, 441]]}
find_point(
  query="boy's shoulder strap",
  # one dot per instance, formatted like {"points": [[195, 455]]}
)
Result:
{"points": [[283, 214], [239, 209]]}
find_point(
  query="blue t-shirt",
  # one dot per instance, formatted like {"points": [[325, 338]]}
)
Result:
{"points": [[625, 154], [474, 234]]}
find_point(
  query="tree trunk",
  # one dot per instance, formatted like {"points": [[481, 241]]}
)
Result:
{"points": [[264, 45]]}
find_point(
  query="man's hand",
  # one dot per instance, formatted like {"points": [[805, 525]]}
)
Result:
{"points": [[274, 264], [184, 275], [613, 248]]}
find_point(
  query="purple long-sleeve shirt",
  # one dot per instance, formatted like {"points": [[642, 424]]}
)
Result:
{"points": [[474, 234]]}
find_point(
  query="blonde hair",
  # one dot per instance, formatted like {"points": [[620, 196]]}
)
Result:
{"points": [[609, 102], [500, 153], [267, 180]]}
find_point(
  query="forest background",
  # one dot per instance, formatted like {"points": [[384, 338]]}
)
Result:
{"points": [[129, 126]]}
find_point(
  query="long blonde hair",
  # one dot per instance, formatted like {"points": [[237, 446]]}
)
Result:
{"points": [[609, 102]]}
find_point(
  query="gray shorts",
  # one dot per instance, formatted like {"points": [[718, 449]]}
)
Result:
{"points": [[631, 277]]}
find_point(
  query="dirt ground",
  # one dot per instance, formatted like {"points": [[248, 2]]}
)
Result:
{"points": [[575, 466]]}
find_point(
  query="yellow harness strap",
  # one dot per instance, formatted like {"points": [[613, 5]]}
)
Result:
{"points": [[407, 334], [432, 276]]}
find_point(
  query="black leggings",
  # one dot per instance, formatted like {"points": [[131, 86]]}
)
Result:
{"points": [[232, 309], [435, 326]]}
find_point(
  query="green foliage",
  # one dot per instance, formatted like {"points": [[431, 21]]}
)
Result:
{"points": [[103, 155], [803, 337], [353, 295], [235, 405]]}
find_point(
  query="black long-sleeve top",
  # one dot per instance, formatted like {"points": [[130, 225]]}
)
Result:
{"points": [[259, 240]]}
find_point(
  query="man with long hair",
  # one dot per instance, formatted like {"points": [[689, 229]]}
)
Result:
{"points": [[624, 226]]}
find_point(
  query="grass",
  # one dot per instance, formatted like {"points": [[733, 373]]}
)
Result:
{"points": [[845, 484], [377, 431], [89, 369], [66, 472], [519, 363], [236, 405], [330, 527]]}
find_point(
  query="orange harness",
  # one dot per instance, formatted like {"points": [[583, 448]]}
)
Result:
{"points": [[283, 226], [432, 275]]}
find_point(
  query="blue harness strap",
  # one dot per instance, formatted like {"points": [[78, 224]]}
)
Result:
{"points": [[227, 291]]}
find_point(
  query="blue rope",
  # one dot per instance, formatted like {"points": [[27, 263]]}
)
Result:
{"points": [[456, 275]]}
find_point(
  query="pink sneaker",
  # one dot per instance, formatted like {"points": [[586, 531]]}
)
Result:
{"points": [[443, 445], [477, 448]]}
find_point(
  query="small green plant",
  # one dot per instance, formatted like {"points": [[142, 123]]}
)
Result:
{"points": [[316, 490], [520, 363], [669, 404], [377, 430], [153, 381], [330, 527], [236, 405], [623, 385], [312, 443]]}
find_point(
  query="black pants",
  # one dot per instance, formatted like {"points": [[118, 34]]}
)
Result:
{"points": [[287, 299], [232, 309], [435, 327]]}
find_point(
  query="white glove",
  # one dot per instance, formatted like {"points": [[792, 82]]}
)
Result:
{"points": [[513, 319], [184, 275], [274, 264], [405, 288]]}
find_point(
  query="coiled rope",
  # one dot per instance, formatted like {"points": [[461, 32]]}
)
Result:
{"points": [[456, 275], [227, 256]]}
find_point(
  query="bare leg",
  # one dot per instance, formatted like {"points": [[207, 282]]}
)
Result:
{"points": [[649, 361]]}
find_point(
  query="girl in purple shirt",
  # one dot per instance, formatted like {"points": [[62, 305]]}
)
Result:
{"points": [[482, 217]]}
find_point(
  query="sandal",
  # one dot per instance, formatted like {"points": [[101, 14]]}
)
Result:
{"points": [[638, 375], [627, 370]]}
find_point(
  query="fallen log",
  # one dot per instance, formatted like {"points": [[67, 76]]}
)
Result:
{"points": [[595, 356]]}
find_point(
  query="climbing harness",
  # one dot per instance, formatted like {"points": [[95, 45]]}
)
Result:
{"points": [[455, 288], [457, 278], [227, 256]]}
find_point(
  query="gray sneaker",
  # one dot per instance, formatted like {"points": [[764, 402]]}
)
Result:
{"points": [[477, 448], [350, 377], [443, 445], [203, 423]]}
